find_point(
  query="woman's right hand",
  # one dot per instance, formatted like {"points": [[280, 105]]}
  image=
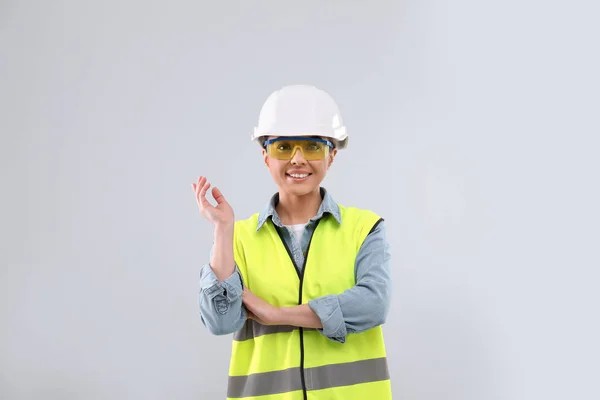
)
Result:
{"points": [[221, 215]]}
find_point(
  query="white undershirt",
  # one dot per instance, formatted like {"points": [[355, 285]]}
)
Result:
{"points": [[298, 231]]}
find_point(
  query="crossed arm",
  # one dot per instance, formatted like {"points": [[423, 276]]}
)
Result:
{"points": [[225, 304], [266, 314]]}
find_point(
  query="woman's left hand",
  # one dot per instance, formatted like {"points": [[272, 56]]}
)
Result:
{"points": [[259, 310]]}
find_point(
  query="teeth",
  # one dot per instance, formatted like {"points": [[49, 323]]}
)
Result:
{"points": [[298, 175]]}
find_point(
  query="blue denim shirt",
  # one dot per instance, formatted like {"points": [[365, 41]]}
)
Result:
{"points": [[356, 310]]}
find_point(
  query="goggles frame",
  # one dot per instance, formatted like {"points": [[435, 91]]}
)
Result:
{"points": [[329, 144]]}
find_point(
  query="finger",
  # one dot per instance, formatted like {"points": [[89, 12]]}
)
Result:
{"points": [[203, 201], [253, 316], [246, 293], [247, 301], [199, 184], [219, 198]]}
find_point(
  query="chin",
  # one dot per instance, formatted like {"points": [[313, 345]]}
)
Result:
{"points": [[300, 192]]}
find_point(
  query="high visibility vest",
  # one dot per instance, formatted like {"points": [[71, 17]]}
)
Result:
{"points": [[291, 363]]}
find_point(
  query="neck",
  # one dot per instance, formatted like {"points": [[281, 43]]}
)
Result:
{"points": [[293, 209]]}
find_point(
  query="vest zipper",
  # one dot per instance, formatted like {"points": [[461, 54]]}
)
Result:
{"points": [[301, 276]]}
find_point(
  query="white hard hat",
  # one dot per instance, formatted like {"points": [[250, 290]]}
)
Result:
{"points": [[301, 110]]}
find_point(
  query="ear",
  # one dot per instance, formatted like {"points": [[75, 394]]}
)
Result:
{"points": [[265, 157], [332, 155]]}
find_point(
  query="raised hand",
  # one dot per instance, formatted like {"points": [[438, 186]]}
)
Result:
{"points": [[222, 214]]}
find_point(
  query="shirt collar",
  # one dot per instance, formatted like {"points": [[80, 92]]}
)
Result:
{"points": [[328, 205]]}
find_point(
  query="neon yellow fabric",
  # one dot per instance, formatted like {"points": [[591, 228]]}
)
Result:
{"points": [[269, 272]]}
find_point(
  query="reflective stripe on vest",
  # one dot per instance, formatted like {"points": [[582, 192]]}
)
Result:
{"points": [[325, 377], [289, 363]]}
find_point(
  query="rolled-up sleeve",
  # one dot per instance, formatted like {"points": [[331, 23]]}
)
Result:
{"points": [[329, 312], [367, 304], [221, 308]]}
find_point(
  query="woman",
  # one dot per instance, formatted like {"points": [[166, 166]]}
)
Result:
{"points": [[304, 285]]}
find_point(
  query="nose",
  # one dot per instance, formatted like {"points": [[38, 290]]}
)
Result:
{"points": [[298, 157]]}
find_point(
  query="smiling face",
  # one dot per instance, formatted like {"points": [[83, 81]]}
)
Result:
{"points": [[298, 176]]}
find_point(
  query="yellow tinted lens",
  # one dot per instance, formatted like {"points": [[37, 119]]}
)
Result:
{"points": [[281, 150], [285, 149], [313, 149]]}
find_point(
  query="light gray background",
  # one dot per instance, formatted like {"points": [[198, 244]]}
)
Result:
{"points": [[474, 132]]}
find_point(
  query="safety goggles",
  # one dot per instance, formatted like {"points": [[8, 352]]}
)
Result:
{"points": [[284, 148]]}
